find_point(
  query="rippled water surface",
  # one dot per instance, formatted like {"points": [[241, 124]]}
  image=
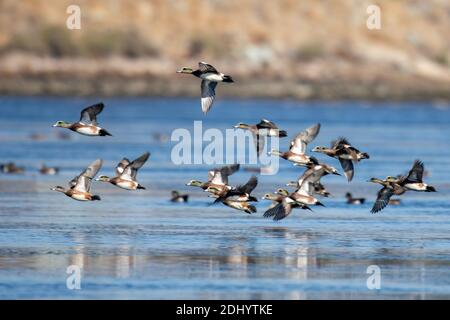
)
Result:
{"points": [[140, 245]]}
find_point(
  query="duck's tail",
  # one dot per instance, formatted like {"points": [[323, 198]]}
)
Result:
{"points": [[96, 197], [227, 78], [430, 189], [140, 187], [250, 209], [365, 155], [103, 133]]}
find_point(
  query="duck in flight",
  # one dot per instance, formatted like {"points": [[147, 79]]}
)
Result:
{"points": [[217, 178], [342, 150], [87, 125], [264, 128], [297, 149], [126, 172], [210, 77], [80, 186], [414, 180]]}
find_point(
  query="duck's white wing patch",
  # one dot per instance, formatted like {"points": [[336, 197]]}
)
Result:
{"points": [[121, 166], [130, 171], [82, 182], [208, 94]]}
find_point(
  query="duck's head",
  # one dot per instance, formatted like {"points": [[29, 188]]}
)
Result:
{"points": [[175, 193], [61, 124], [318, 149], [391, 179], [102, 178], [282, 192], [269, 196], [241, 125], [348, 195], [58, 189], [194, 183], [376, 180], [185, 70]]}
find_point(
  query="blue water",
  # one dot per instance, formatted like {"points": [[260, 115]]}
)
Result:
{"points": [[140, 245]]}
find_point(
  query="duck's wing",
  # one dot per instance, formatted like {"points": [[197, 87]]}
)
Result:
{"points": [[89, 114], [130, 171], [208, 94], [206, 67], [266, 124], [416, 172], [382, 201], [82, 183], [305, 188], [298, 145], [220, 176], [339, 143], [121, 166], [249, 186], [347, 166], [279, 211]]}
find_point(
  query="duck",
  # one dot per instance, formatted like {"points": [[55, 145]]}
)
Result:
{"points": [[80, 186], [48, 170], [297, 149], [11, 168], [210, 77], [282, 205], [414, 180], [314, 172], [239, 193], [177, 197], [342, 150], [351, 200], [87, 125], [126, 172], [217, 177], [260, 131], [391, 186]]}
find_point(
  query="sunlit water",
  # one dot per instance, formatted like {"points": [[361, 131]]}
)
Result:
{"points": [[140, 245]]}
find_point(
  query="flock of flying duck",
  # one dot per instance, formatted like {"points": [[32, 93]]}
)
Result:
{"points": [[307, 187]]}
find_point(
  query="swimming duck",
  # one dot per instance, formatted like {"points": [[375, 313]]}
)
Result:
{"points": [[342, 150], [177, 197], [351, 200], [260, 131], [210, 77], [297, 149], [48, 170], [126, 172], [390, 187], [216, 177], [87, 125], [414, 180], [80, 186], [11, 168], [240, 193]]}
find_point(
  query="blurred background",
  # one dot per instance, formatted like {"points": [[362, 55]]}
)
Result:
{"points": [[284, 49]]}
